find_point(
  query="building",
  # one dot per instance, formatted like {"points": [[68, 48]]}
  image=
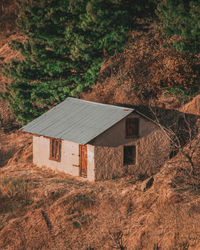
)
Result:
{"points": [[97, 141]]}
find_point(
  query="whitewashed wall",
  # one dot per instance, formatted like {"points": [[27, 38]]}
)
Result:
{"points": [[69, 157], [90, 163]]}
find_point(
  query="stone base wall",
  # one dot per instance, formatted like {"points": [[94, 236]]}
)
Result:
{"points": [[151, 152], [108, 162]]}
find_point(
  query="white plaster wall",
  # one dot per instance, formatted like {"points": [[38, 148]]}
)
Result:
{"points": [[90, 163], [69, 155]]}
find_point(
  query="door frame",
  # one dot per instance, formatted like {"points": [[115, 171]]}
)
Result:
{"points": [[83, 153]]}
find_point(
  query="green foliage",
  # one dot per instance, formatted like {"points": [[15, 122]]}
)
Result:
{"points": [[64, 47], [181, 20], [179, 92], [65, 43]]}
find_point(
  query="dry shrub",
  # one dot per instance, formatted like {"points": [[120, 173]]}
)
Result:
{"points": [[6, 153], [144, 70], [8, 16], [14, 235], [188, 173], [104, 216], [5, 116], [110, 225], [15, 188], [24, 154], [176, 214], [17, 144]]}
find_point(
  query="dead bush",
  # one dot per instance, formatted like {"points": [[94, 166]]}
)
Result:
{"points": [[145, 70], [5, 154], [15, 188]]}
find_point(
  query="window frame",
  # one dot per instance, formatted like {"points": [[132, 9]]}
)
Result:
{"points": [[135, 119], [125, 163], [56, 156]]}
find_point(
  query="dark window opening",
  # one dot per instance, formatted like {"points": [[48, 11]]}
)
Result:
{"points": [[55, 149], [132, 127], [129, 155]]}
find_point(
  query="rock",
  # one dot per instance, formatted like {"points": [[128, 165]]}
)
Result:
{"points": [[192, 107], [147, 184]]}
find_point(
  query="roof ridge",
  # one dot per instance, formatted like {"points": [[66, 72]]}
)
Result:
{"points": [[98, 103]]}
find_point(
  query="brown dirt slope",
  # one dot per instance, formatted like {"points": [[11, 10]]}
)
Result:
{"points": [[41, 209], [10, 143], [147, 70], [53, 211]]}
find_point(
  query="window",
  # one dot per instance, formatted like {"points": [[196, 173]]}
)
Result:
{"points": [[55, 149], [132, 127], [129, 155]]}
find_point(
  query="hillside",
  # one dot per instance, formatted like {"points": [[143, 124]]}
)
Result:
{"points": [[42, 209], [131, 61], [144, 74], [8, 31]]}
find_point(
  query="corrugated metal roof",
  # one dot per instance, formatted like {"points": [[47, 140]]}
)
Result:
{"points": [[77, 120]]}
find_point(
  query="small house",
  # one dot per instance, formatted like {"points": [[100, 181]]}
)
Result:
{"points": [[97, 141]]}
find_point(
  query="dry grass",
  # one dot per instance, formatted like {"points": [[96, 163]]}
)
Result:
{"points": [[143, 72], [15, 188], [10, 143], [41, 209]]}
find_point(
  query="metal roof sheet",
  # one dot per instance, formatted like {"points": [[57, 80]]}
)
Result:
{"points": [[77, 120]]}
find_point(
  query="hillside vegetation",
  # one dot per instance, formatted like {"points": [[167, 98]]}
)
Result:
{"points": [[41, 209], [68, 46], [148, 56]]}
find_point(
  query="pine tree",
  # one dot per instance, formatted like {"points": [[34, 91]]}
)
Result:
{"points": [[65, 43], [181, 21]]}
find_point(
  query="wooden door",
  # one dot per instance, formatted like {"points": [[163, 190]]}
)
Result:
{"points": [[83, 160]]}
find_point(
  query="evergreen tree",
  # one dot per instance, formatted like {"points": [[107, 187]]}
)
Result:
{"points": [[181, 20], [65, 42]]}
